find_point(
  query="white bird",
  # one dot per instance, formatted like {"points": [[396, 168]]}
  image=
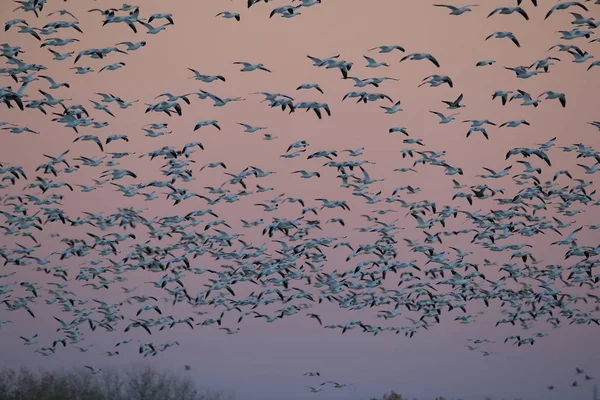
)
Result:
{"points": [[374, 64], [153, 30], [514, 123], [485, 63], [421, 56], [393, 109], [444, 119], [59, 57], [564, 6], [307, 175], [250, 128], [457, 10], [133, 46], [503, 94], [247, 67], [508, 11], [93, 371], [112, 67], [228, 14], [508, 35], [388, 48], [207, 122], [30, 341], [214, 165], [53, 83], [82, 70], [592, 169], [550, 95], [400, 129], [310, 86]]}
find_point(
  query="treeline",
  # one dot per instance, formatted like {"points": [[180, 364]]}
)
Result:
{"points": [[132, 383]]}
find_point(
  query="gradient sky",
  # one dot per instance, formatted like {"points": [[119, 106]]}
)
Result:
{"points": [[267, 361]]}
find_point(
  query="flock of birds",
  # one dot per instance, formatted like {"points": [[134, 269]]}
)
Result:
{"points": [[294, 276]]}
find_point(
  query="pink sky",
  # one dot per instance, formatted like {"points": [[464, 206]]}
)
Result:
{"points": [[267, 361]]}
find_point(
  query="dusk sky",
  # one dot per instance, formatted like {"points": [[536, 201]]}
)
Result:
{"points": [[268, 360]]}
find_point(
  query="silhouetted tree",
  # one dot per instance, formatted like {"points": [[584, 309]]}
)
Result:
{"points": [[391, 396], [137, 383]]}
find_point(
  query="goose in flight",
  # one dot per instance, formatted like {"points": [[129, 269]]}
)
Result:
{"points": [[453, 105], [53, 83], [82, 70], [58, 42], [132, 46], [286, 11], [522, 72], [253, 2], [594, 64], [168, 17], [526, 97], [501, 35], [485, 63], [361, 82], [444, 119], [457, 10], [228, 14], [550, 95], [388, 48], [508, 11], [206, 78], [545, 62], [374, 64], [308, 3], [421, 56], [63, 12], [112, 67], [307, 175], [12, 22], [206, 123], [124, 105], [62, 24], [5, 321], [318, 62], [393, 109], [250, 128], [564, 6], [101, 107], [529, 168], [310, 86], [357, 152], [91, 138], [437, 80], [580, 56], [112, 138], [18, 129], [60, 57], [30, 341], [93, 371], [172, 98], [590, 170], [247, 67], [153, 30], [514, 123], [503, 94], [575, 33], [400, 129]]}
